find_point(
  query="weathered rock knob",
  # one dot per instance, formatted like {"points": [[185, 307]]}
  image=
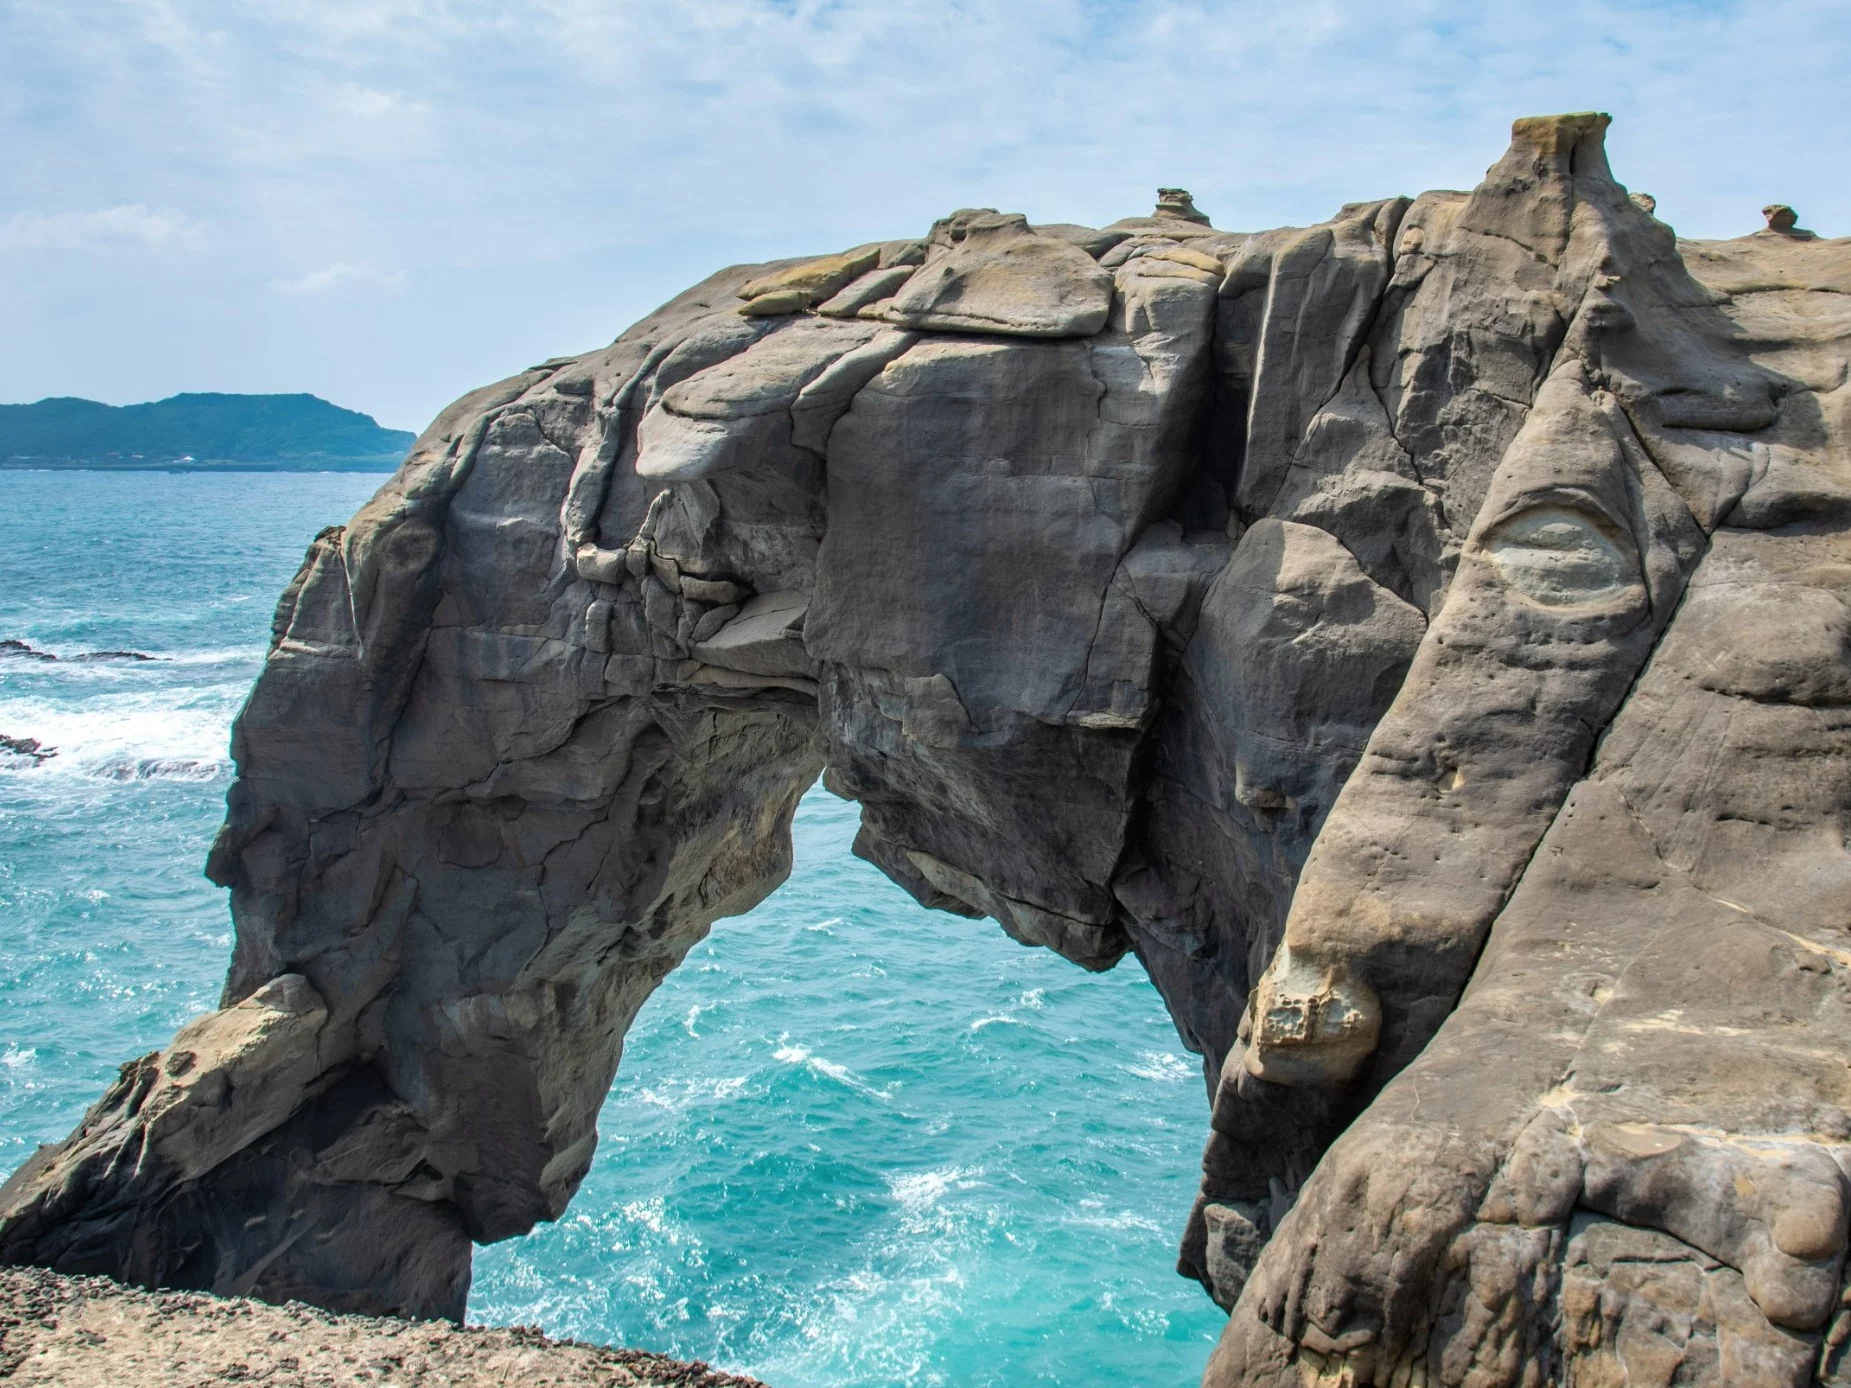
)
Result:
{"points": [[1176, 202], [1784, 221]]}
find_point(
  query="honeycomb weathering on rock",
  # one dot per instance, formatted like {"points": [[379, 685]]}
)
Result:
{"points": [[1421, 638]]}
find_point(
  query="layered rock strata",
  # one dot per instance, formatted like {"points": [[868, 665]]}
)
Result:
{"points": [[1420, 638]]}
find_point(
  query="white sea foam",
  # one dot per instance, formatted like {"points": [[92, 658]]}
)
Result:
{"points": [[997, 1019], [651, 1214], [175, 734], [1034, 1000], [881, 1321], [677, 1098], [652, 1217], [1162, 1066], [919, 1192], [1118, 1221], [827, 1069], [88, 675], [250, 656]]}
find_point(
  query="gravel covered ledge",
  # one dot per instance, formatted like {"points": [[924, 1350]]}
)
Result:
{"points": [[89, 1332]]}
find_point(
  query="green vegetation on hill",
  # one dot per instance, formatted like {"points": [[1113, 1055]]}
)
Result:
{"points": [[270, 432]]}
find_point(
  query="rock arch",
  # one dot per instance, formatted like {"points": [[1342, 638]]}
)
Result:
{"points": [[1299, 611]]}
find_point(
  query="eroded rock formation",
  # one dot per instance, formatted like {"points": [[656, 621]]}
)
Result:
{"points": [[1421, 638]]}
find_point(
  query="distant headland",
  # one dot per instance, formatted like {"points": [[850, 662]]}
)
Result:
{"points": [[199, 432]]}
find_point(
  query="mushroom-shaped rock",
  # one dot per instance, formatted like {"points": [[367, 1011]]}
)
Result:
{"points": [[1784, 221], [1177, 202], [1175, 218]]}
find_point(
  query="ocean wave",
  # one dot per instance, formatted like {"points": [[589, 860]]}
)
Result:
{"points": [[920, 1192], [226, 655], [1034, 1000], [827, 1069], [26, 657], [691, 1092], [1096, 1216], [173, 735], [161, 769], [883, 1321], [27, 750], [997, 1019], [1163, 1066], [22, 661]]}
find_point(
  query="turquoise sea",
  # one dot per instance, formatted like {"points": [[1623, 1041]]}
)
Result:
{"points": [[854, 1143]]}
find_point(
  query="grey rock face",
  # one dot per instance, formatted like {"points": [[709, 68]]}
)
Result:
{"points": [[1422, 639]]}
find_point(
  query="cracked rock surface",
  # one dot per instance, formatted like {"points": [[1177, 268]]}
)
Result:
{"points": [[1422, 639]]}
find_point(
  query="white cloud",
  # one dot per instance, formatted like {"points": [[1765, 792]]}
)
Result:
{"points": [[368, 102], [547, 170], [334, 276], [107, 229]]}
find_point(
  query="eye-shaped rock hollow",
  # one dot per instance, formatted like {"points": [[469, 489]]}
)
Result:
{"points": [[1560, 557]]}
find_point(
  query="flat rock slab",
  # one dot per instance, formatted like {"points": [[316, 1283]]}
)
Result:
{"points": [[89, 1332]]}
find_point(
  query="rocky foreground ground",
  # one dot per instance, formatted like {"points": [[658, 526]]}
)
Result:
{"points": [[89, 1332]]}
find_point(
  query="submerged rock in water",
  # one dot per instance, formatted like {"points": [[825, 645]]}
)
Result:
{"points": [[25, 650], [27, 747], [1421, 638]]}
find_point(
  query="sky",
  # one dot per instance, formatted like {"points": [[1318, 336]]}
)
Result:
{"points": [[389, 202]]}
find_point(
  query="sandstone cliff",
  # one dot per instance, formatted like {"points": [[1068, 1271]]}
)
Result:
{"points": [[1420, 638]]}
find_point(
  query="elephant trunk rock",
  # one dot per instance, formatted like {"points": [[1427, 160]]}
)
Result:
{"points": [[1419, 638]]}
